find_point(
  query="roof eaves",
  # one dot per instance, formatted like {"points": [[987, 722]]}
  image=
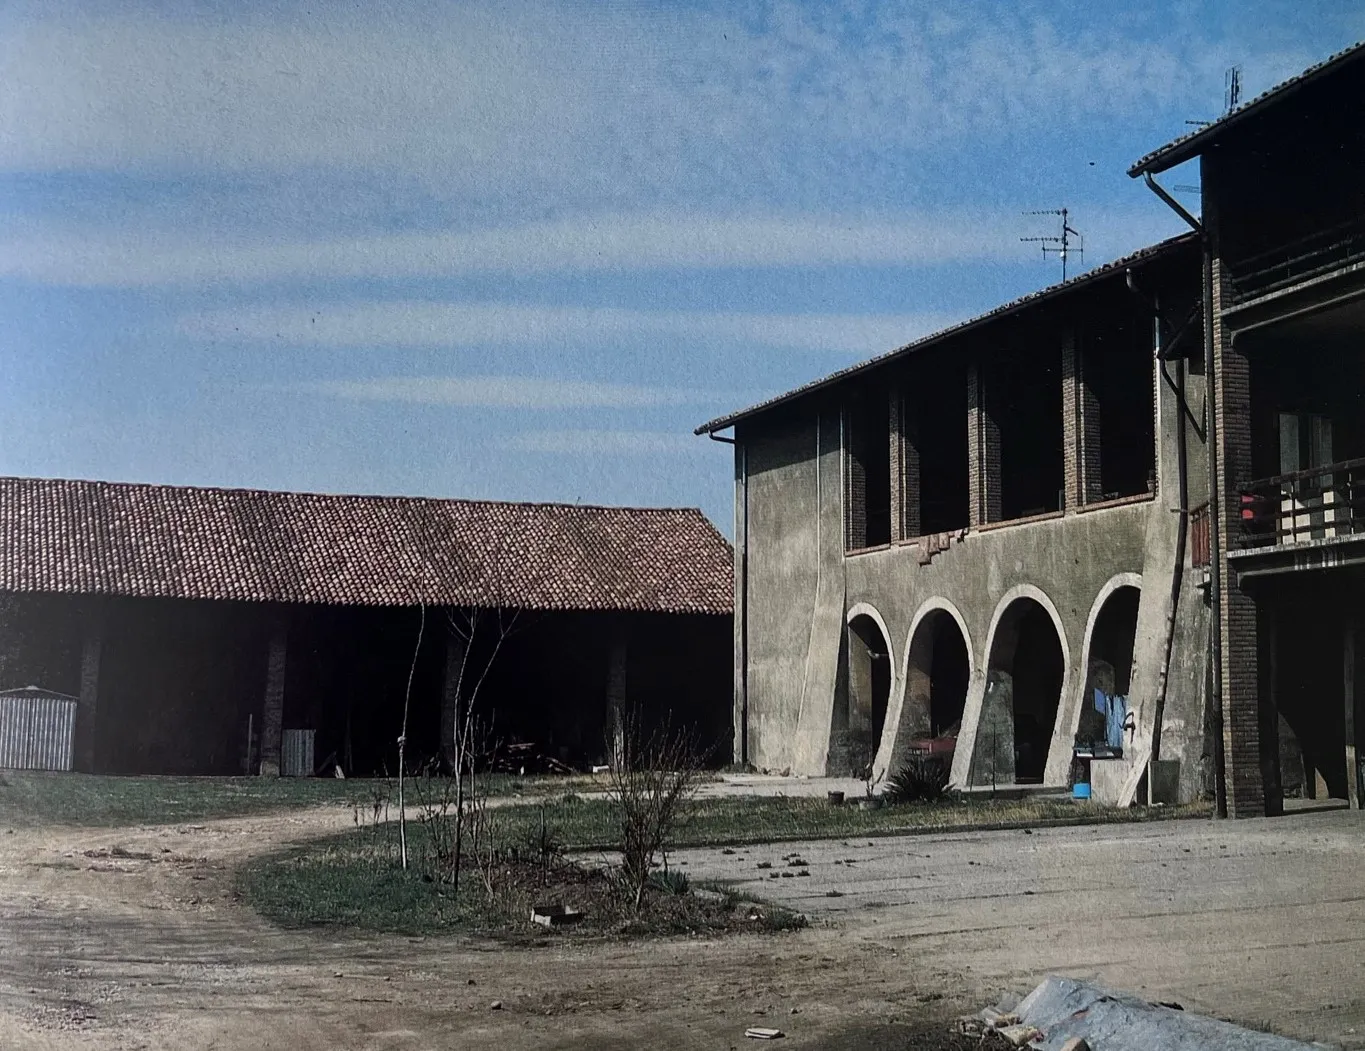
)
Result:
{"points": [[1142, 255], [1186, 146]]}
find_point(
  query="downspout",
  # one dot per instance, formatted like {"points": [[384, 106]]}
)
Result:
{"points": [[742, 456], [1182, 475], [1215, 519]]}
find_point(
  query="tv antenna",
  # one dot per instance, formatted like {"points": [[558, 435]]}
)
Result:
{"points": [[1060, 245], [1232, 88], [1232, 94]]}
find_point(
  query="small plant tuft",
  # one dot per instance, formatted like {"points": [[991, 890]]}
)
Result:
{"points": [[920, 779], [670, 881]]}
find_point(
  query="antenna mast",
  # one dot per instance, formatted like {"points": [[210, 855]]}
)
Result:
{"points": [[1061, 245]]}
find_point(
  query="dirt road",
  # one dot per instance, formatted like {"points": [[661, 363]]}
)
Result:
{"points": [[1261, 922], [129, 939]]}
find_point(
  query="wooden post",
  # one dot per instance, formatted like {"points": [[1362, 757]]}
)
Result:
{"points": [[616, 691], [450, 696], [1353, 785], [272, 715], [92, 646]]}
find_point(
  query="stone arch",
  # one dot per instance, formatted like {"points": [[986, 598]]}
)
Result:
{"points": [[865, 686], [1027, 671], [1109, 641], [936, 674]]}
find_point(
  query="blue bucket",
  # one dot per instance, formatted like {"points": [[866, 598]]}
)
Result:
{"points": [[1080, 791]]}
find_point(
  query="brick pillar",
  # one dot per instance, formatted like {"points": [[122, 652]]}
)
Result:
{"points": [[983, 451], [450, 695], [855, 481], [1080, 429], [1242, 716], [617, 709], [272, 714], [894, 429], [92, 646], [911, 526]]}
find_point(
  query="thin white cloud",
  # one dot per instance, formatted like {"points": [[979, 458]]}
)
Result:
{"points": [[432, 324], [505, 392], [602, 442], [610, 103], [134, 256]]}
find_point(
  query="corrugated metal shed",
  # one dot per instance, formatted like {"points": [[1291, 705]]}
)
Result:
{"points": [[37, 729], [296, 753]]}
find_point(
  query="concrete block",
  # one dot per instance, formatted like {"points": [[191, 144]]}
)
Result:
{"points": [[1107, 779], [1163, 780]]}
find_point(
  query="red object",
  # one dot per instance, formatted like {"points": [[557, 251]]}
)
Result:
{"points": [[934, 745]]}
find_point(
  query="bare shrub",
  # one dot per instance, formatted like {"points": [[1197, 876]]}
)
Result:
{"points": [[654, 778]]}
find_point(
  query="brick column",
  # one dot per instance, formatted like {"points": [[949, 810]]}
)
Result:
{"points": [[855, 482], [1242, 717], [1080, 429], [911, 526], [983, 451], [272, 714], [92, 646], [450, 695], [896, 454]]}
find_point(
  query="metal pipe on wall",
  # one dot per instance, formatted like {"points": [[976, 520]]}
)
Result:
{"points": [[742, 528], [1215, 545]]}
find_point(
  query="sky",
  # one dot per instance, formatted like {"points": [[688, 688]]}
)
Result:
{"points": [[519, 251]]}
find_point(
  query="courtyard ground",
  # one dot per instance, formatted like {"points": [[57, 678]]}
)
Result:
{"points": [[131, 938]]}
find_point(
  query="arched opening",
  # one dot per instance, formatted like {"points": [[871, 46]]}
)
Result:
{"points": [[863, 690], [1109, 673], [937, 672], [1024, 680]]}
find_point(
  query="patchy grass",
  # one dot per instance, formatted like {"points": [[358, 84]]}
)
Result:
{"points": [[101, 801], [355, 881], [590, 824], [574, 806]]}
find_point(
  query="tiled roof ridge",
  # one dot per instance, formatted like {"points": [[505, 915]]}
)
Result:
{"points": [[70, 536], [232, 490]]}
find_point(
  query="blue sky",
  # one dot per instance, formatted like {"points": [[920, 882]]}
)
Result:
{"points": [[444, 249]]}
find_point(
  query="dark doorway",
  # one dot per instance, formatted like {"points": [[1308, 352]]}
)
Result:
{"points": [[862, 694], [1023, 690]]}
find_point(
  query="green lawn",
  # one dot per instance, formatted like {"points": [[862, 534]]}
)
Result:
{"points": [[585, 821], [589, 823], [353, 879], [99, 801]]}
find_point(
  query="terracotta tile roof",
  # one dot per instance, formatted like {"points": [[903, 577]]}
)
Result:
{"points": [[1192, 144], [1162, 249], [113, 538]]}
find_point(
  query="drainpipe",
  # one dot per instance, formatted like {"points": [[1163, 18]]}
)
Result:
{"points": [[742, 456], [1215, 519], [1183, 509]]}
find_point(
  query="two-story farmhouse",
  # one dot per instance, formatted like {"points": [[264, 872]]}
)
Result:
{"points": [[996, 540], [1283, 229]]}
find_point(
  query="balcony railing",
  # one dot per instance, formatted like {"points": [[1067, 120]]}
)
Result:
{"points": [[1298, 260], [1320, 503]]}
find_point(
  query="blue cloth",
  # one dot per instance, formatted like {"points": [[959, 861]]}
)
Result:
{"points": [[1114, 720], [1115, 711]]}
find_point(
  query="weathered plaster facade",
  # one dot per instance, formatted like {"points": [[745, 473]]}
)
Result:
{"points": [[802, 591]]}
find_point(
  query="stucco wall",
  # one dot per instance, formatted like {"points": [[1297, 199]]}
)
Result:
{"points": [[802, 587]]}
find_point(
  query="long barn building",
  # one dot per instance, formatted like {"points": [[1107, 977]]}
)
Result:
{"points": [[202, 629]]}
